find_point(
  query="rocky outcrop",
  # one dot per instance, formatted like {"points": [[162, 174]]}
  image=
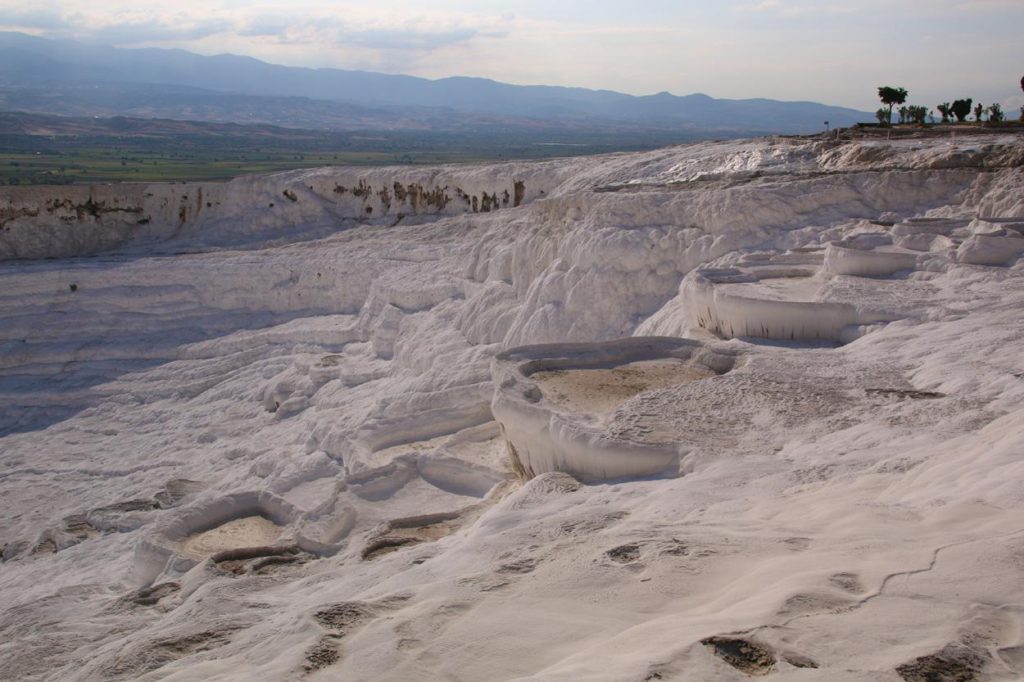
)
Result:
{"points": [[80, 220]]}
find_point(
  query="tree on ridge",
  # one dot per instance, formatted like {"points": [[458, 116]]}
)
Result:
{"points": [[892, 96], [961, 108], [916, 114]]}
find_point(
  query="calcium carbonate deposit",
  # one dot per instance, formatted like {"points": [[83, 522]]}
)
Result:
{"points": [[710, 412]]}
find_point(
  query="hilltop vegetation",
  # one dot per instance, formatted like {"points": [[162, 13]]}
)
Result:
{"points": [[956, 111]]}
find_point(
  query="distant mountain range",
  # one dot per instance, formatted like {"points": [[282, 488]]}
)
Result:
{"points": [[71, 78]]}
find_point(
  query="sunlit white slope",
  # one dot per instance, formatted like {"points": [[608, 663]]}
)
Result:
{"points": [[261, 441]]}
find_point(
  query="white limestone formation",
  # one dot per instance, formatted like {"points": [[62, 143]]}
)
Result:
{"points": [[878, 262], [730, 305], [581, 440], [244, 441], [981, 249]]}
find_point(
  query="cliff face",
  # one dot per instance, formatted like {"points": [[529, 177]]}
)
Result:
{"points": [[79, 220], [409, 411]]}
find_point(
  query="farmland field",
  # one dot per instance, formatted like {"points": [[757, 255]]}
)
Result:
{"points": [[52, 150]]}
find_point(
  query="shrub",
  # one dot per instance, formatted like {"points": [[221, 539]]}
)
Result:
{"points": [[961, 108], [917, 114]]}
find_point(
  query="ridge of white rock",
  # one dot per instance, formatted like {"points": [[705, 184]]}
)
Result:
{"points": [[76, 220], [267, 441]]}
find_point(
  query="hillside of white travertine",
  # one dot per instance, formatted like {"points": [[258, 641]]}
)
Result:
{"points": [[710, 412]]}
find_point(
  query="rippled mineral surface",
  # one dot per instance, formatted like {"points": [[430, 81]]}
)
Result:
{"points": [[249, 437]]}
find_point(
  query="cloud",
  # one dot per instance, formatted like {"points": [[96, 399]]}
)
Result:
{"points": [[765, 6], [792, 9], [265, 26], [298, 31], [405, 39], [135, 32], [827, 50], [989, 5], [422, 33], [124, 27], [33, 19], [1012, 106]]}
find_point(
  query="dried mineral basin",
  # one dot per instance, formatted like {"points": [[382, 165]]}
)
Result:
{"points": [[249, 531], [602, 390]]}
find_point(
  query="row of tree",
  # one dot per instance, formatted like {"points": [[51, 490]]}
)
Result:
{"points": [[959, 109]]}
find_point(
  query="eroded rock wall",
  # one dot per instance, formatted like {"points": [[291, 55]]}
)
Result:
{"points": [[79, 220]]}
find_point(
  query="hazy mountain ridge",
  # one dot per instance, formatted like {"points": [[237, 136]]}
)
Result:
{"points": [[30, 62]]}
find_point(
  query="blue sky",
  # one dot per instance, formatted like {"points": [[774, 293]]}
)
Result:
{"points": [[835, 52]]}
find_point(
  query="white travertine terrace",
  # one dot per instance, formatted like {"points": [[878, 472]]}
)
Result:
{"points": [[777, 296], [730, 306], [984, 249], [319, 376], [877, 262], [543, 436]]}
